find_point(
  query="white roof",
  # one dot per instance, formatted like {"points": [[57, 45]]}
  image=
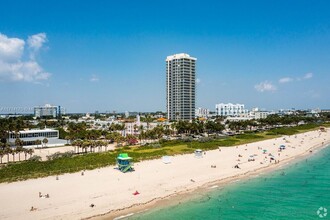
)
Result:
{"points": [[180, 56], [35, 131]]}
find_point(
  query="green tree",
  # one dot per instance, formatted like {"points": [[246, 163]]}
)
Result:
{"points": [[8, 151], [2, 153], [30, 151], [19, 147], [67, 138], [45, 141], [38, 142], [25, 151]]}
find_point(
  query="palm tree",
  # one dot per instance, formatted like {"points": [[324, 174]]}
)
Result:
{"points": [[159, 131], [77, 144], [18, 142], [19, 150], [141, 133], [148, 119], [99, 145], [167, 130], [173, 127], [2, 153], [135, 129], [142, 136], [13, 152], [67, 138], [7, 151], [25, 151], [93, 145], [45, 141], [85, 145], [19, 147], [118, 138], [38, 142], [30, 151], [105, 144]]}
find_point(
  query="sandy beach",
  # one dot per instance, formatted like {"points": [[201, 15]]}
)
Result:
{"points": [[111, 192]]}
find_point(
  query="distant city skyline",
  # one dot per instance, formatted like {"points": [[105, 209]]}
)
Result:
{"points": [[109, 55]]}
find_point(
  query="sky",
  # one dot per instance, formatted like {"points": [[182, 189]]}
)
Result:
{"points": [[109, 55]]}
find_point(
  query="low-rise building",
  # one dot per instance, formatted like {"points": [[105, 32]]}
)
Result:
{"points": [[229, 109], [202, 112], [29, 137], [256, 113]]}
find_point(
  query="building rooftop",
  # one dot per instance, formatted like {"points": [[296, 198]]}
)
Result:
{"points": [[180, 56], [35, 130]]}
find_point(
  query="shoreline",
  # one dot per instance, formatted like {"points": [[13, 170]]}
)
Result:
{"points": [[159, 184], [185, 195]]}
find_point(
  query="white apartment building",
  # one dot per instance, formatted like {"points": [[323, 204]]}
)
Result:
{"points": [[255, 113], [230, 109], [180, 87], [202, 112]]}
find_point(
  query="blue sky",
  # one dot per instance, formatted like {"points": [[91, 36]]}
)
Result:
{"points": [[110, 55]]}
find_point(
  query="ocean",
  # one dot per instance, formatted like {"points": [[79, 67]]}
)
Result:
{"points": [[299, 190]]}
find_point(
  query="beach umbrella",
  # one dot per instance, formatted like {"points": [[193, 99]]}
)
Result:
{"points": [[198, 153], [166, 159]]}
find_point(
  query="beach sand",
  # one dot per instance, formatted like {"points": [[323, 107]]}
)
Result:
{"points": [[111, 191]]}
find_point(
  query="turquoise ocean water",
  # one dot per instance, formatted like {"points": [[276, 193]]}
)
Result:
{"points": [[295, 191]]}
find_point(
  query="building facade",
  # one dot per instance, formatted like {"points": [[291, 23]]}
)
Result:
{"points": [[29, 137], [230, 109], [202, 112], [180, 87], [48, 110]]}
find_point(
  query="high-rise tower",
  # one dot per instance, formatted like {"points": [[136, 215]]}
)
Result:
{"points": [[180, 87]]}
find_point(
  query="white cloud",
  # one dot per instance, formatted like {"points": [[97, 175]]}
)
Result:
{"points": [[12, 67], [35, 43], [198, 80], [285, 80], [11, 49], [308, 76], [265, 87], [94, 78]]}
